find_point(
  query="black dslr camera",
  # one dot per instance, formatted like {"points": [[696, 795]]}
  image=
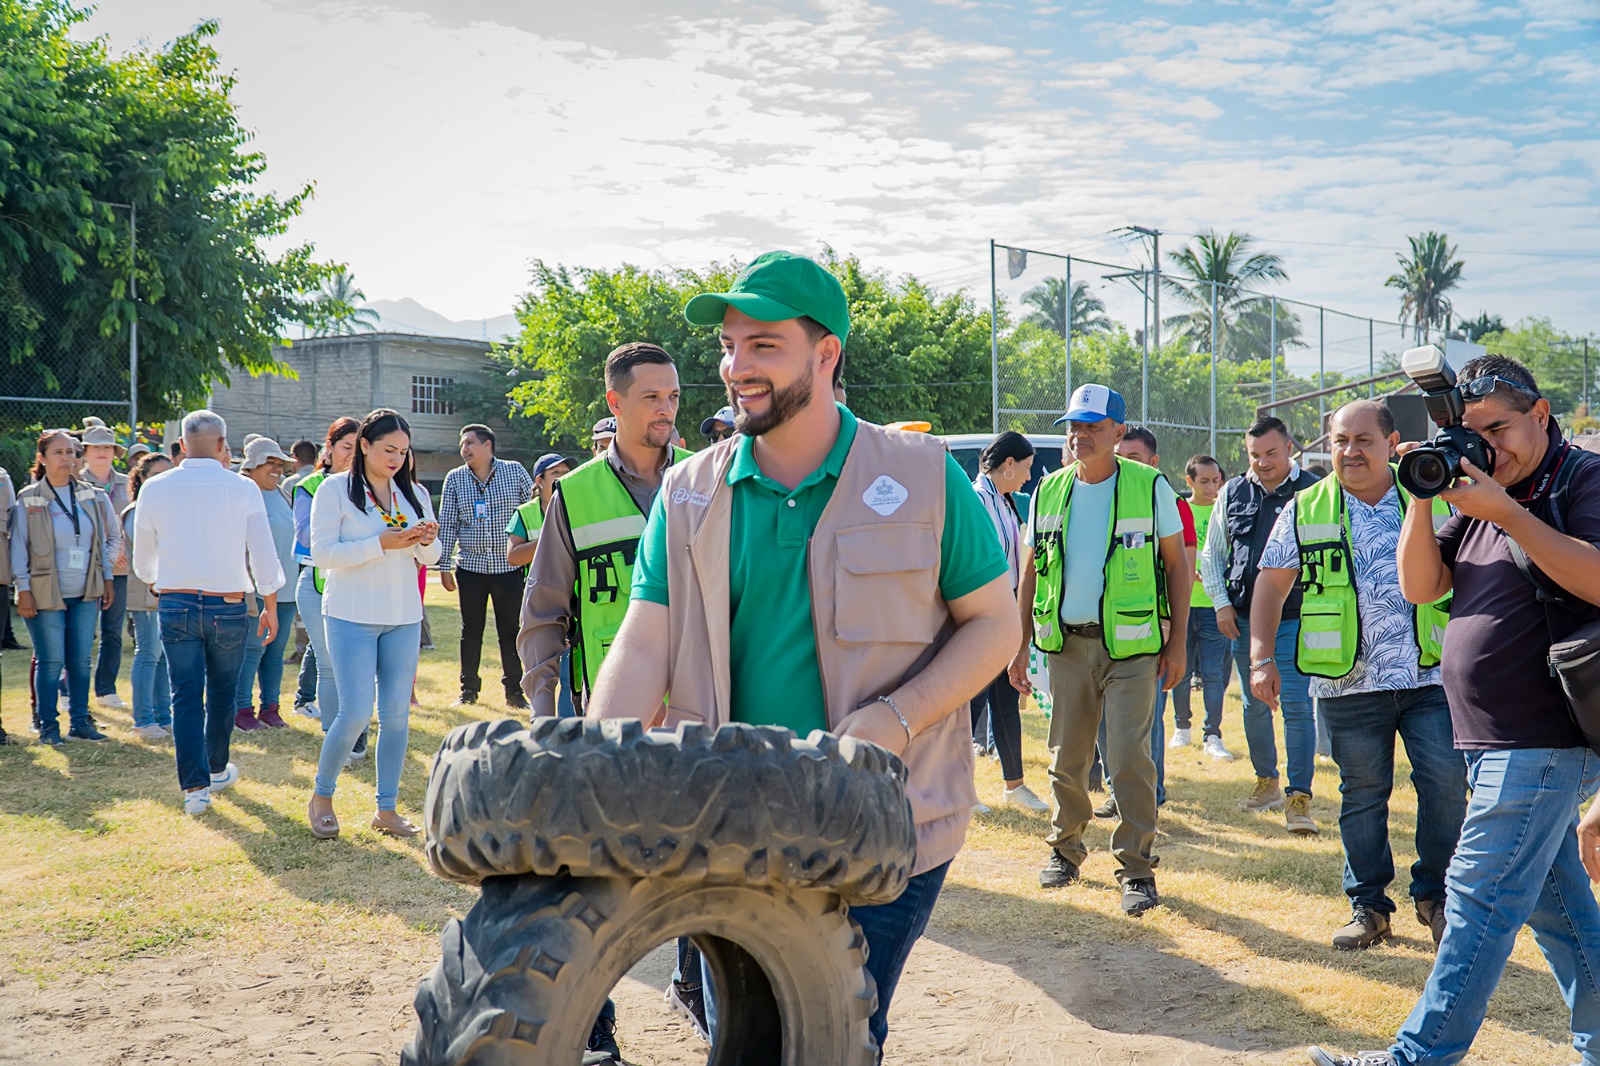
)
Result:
{"points": [[1428, 470]]}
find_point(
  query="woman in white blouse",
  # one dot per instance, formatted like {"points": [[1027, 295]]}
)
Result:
{"points": [[370, 527]]}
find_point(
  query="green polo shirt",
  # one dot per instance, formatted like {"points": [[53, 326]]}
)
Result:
{"points": [[773, 667]]}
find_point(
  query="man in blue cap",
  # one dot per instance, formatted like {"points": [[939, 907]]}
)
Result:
{"points": [[719, 427], [1105, 594], [911, 613]]}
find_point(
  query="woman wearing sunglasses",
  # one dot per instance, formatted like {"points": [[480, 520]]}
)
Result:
{"points": [[370, 527]]}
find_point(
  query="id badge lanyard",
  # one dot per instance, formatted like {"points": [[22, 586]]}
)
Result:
{"points": [[77, 558], [480, 506]]}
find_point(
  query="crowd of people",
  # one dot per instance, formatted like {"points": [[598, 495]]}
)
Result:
{"points": [[809, 570]]}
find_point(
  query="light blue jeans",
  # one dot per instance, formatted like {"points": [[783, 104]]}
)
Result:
{"points": [[375, 665], [65, 638], [265, 660], [309, 602], [152, 688], [1516, 864]]}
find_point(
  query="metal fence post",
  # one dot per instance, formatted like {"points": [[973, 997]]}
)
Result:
{"points": [[1144, 370], [1213, 368], [1067, 402], [1372, 363], [1322, 363], [133, 327], [1272, 355], [994, 340]]}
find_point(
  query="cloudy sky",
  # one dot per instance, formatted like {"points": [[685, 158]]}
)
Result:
{"points": [[452, 141]]}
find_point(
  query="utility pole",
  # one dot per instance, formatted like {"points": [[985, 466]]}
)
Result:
{"points": [[133, 325], [1155, 258], [994, 340]]}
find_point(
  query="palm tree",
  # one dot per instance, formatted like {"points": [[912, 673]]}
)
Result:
{"points": [[1050, 308], [1476, 329], [1228, 265], [1432, 270], [340, 313]]}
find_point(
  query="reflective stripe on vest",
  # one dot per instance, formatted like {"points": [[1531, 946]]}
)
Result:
{"points": [[1133, 600], [1329, 639]]}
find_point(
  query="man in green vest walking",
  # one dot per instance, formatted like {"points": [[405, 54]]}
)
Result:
{"points": [[1105, 593], [1373, 662]]}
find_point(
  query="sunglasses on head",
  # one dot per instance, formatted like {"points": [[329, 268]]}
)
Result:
{"points": [[1478, 388]]}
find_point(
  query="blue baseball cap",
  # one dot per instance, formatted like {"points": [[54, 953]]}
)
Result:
{"points": [[545, 462], [725, 416], [1095, 403]]}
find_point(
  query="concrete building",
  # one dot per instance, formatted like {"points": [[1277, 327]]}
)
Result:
{"points": [[352, 375]]}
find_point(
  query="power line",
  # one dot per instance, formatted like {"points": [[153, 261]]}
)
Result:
{"points": [[1383, 248]]}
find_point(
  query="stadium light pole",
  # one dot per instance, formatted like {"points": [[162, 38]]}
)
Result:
{"points": [[994, 339], [1155, 258]]}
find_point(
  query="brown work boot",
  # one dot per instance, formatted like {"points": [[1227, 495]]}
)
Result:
{"points": [[1365, 928], [1297, 815], [1266, 796], [1430, 912]]}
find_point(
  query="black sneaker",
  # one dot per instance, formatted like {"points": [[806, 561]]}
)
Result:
{"points": [[1139, 895], [1058, 871], [465, 699], [4, 739], [603, 1050], [10, 644], [690, 1001], [51, 736], [86, 732], [516, 700]]}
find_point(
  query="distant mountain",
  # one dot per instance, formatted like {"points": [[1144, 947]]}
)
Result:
{"points": [[408, 316]]}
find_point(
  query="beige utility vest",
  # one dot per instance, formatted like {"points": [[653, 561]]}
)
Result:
{"points": [[36, 499], [141, 597], [873, 563], [8, 497]]}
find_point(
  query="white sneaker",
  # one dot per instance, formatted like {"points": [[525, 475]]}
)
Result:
{"points": [[1181, 738], [112, 700], [1215, 748], [150, 732], [226, 778], [980, 808], [197, 802], [310, 710], [1022, 796]]}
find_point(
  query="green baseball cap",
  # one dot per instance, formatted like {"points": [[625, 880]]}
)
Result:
{"points": [[777, 286]]}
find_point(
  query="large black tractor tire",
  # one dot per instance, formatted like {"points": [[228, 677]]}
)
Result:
{"points": [[526, 971], [739, 805]]}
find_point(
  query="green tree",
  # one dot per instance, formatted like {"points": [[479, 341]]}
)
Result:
{"points": [[338, 308], [1430, 272], [1049, 305], [1228, 265], [1477, 328], [81, 132]]}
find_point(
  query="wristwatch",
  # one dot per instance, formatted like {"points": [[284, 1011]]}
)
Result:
{"points": [[1263, 662]]}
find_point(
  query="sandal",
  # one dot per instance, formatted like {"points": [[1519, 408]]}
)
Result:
{"points": [[324, 826], [394, 825]]}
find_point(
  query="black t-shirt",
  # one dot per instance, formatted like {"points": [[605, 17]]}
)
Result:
{"points": [[1496, 674]]}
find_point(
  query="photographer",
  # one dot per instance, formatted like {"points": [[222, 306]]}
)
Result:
{"points": [[1517, 861]]}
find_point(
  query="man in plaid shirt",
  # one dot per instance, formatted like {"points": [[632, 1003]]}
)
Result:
{"points": [[478, 502]]}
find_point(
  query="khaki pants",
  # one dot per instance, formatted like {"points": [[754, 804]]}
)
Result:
{"points": [[1083, 680]]}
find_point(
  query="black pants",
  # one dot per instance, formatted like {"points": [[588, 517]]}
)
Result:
{"points": [[1005, 720], [476, 590]]}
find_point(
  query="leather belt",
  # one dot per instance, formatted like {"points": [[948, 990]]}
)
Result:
{"points": [[225, 597]]}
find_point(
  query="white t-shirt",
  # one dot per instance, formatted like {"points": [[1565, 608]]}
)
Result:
{"points": [[1087, 526]]}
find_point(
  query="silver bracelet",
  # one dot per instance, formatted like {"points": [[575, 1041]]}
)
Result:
{"points": [[895, 707]]}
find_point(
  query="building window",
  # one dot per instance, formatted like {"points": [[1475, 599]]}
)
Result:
{"points": [[428, 395]]}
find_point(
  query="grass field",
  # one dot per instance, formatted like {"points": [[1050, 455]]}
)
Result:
{"points": [[102, 872]]}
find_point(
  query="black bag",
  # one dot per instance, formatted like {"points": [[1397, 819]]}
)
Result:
{"points": [[1575, 659]]}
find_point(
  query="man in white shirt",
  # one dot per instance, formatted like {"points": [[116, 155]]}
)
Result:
{"points": [[194, 530]]}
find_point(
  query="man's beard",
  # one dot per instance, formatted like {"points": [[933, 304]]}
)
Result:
{"points": [[782, 406]]}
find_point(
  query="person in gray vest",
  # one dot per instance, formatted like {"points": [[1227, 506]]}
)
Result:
{"points": [[1241, 524]]}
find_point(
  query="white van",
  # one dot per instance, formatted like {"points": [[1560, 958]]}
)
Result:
{"points": [[1048, 450]]}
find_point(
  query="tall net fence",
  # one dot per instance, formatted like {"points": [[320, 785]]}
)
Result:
{"points": [[61, 358]]}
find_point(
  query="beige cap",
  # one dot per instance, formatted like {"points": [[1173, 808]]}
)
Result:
{"points": [[101, 435], [262, 450]]}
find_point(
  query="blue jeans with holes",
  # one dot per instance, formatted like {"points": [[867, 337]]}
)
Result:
{"points": [[152, 688], [1363, 728], [1294, 697], [1516, 864], [204, 640], [265, 660], [890, 930], [376, 665], [1208, 656], [64, 638]]}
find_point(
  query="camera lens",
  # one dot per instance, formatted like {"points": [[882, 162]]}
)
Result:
{"points": [[1426, 472]]}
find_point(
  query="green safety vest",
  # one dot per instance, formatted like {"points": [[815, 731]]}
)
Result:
{"points": [[1134, 600], [532, 515], [1198, 597], [1330, 613], [309, 485], [605, 526]]}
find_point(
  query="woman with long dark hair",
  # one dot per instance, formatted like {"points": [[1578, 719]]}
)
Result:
{"points": [[152, 688], [338, 451], [1003, 468], [370, 527]]}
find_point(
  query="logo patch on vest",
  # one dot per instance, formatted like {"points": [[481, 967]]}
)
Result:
{"points": [[885, 495], [699, 499]]}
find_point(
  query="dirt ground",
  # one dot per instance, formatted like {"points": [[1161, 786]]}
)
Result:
{"points": [[1019, 1000]]}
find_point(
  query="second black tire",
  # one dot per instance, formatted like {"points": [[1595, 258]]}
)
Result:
{"points": [[739, 805]]}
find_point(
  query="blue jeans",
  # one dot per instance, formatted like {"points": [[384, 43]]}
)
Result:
{"points": [[152, 689], [306, 692], [64, 638], [109, 663], [1208, 655], [1294, 696], [1362, 728], [204, 640], [564, 708], [1516, 863], [309, 602], [376, 665], [890, 930], [265, 660]]}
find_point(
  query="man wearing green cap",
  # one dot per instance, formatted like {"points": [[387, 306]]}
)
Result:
{"points": [[912, 612]]}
